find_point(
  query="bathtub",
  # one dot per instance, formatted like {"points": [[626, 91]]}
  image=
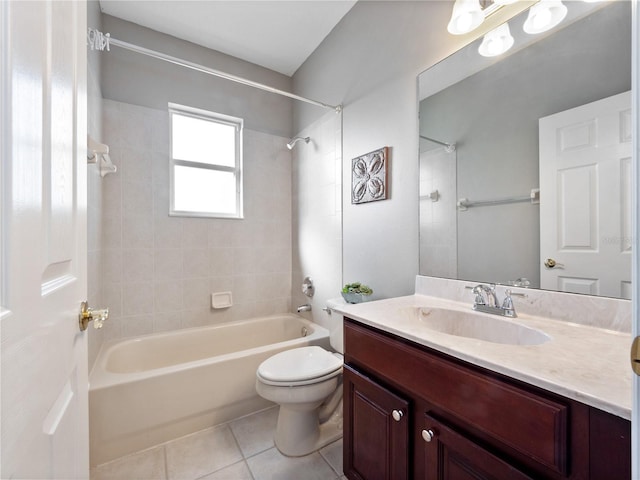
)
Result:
{"points": [[151, 389]]}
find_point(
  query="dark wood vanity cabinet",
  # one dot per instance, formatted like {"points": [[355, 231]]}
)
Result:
{"points": [[413, 413], [375, 413]]}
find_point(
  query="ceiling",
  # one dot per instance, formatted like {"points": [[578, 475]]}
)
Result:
{"points": [[276, 34]]}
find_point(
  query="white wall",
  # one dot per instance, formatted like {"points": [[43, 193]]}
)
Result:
{"points": [[139, 80], [369, 63]]}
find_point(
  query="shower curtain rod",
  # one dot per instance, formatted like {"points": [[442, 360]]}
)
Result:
{"points": [[444, 144], [99, 41]]}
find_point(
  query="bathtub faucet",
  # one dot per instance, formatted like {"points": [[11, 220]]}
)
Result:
{"points": [[304, 308]]}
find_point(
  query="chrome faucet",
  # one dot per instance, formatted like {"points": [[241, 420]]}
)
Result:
{"points": [[487, 301], [490, 291], [304, 308]]}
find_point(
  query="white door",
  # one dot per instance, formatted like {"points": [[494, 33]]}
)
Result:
{"points": [[585, 198], [43, 359]]}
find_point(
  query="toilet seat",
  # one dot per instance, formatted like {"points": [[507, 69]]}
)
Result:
{"points": [[300, 366]]}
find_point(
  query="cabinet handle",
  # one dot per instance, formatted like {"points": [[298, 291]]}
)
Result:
{"points": [[428, 435], [397, 415]]}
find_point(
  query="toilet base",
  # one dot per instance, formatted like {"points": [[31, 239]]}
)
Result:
{"points": [[300, 433]]}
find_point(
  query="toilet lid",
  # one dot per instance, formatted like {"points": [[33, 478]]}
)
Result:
{"points": [[298, 364]]}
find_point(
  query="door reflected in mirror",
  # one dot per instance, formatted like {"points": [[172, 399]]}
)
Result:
{"points": [[523, 160]]}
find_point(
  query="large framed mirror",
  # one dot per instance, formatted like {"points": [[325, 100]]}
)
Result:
{"points": [[525, 158]]}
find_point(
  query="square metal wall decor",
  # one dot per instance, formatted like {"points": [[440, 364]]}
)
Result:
{"points": [[369, 176]]}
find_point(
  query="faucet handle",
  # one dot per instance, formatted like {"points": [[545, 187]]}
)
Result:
{"points": [[479, 300], [507, 303]]}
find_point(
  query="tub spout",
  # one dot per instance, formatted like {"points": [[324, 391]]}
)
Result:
{"points": [[304, 308]]}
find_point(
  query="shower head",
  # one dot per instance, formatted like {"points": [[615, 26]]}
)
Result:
{"points": [[296, 140]]}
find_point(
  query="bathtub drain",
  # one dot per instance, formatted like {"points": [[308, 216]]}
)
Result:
{"points": [[304, 331]]}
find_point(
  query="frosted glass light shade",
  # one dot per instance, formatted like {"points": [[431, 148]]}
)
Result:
{"points": [[544, 15], [496, 42], [467, 15], [504, 2]]}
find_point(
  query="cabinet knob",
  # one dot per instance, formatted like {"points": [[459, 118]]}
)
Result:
{"points": [[397, 415], [427, 435]]}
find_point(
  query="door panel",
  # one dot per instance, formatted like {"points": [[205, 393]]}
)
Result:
{"points": [[43, 179], [376, 444], [451, 456], [585, 198]]}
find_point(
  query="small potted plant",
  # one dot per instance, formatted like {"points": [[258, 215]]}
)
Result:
{"points": [[356, 292]]}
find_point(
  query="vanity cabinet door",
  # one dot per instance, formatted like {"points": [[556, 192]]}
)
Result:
{"points": [[451, 456], [376, 430]]}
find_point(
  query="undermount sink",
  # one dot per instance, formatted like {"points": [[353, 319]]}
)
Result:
{"points": [[478, 326]]}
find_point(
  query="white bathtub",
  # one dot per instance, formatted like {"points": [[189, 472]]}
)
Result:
{"points": [[150, 389]]}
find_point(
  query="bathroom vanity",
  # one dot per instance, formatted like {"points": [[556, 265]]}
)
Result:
{"points": [[427, 405]]}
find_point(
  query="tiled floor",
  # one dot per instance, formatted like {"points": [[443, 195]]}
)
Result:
{"points": [[239, 450]]}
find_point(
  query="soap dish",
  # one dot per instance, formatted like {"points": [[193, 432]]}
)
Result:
{"points": [[221, 300]]}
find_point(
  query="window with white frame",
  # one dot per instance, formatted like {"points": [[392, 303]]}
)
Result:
{"points": [[206, 163]]}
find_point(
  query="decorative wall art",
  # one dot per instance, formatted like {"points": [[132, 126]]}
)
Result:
{"points": [[369, 176]]}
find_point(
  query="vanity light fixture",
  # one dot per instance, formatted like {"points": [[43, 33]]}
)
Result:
{"points": [[496, 42], [544, 15], [468, 15]]}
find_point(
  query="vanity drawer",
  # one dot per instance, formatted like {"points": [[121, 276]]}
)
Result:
{"points": [[530, 423]]}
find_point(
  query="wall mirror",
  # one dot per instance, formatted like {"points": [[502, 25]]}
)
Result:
{"points": [[525, 158]]}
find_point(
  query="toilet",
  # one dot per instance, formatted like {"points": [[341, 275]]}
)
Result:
{"points": [[307, 384]]}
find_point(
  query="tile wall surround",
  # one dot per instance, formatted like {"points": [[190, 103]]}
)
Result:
{"points": [[158, 271], [602, 312], [439, 248], [317, 214], [94, 206]]}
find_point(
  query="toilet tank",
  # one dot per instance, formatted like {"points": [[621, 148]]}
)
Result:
{"points": [[336, 323]]}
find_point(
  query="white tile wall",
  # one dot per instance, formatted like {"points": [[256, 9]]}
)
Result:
{"points": [[95, 224], [157, 272], [317, 211], [438, 233]]}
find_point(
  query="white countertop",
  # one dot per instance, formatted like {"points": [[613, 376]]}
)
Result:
{"points": [[585, 363]]}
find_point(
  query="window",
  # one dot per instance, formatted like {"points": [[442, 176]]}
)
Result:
{"points": [[206, 163]]}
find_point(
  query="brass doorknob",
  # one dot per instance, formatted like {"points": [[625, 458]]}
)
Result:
{"points": [[88, 314], [551, 263], [635, 356]]}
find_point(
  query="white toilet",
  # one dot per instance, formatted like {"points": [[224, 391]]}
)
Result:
{"points": [[307, 384]]}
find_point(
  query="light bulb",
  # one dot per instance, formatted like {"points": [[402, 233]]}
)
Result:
{"points": [[542, 19], [466, 16], [496, 42], [544, 15], [464, 22]]}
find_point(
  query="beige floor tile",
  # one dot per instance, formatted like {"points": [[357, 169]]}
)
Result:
{"points": [[201, 453], [237, 471], [254, 433], [272, 465], [332, 453], [145, 465]]}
